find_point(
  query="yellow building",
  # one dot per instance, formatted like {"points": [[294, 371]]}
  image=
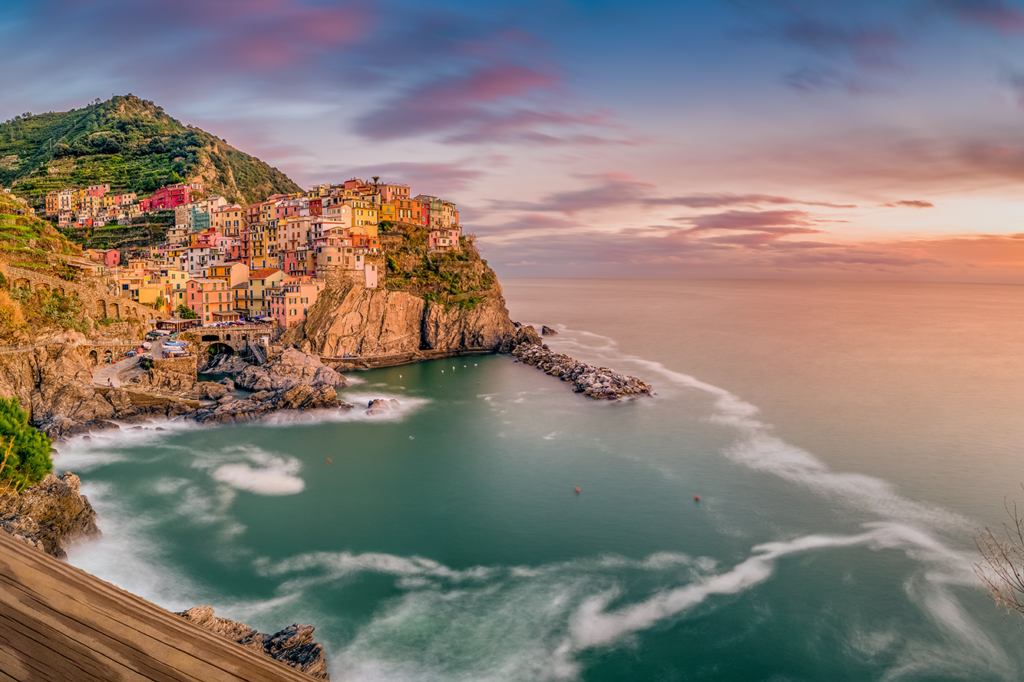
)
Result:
{"points": [[260, 283], [387, 212], [175, 281], [228, 220], [150, 293], [52, 202], [364, 213]]}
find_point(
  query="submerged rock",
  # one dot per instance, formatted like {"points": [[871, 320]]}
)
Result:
{"points": [[293, 646], [381, 406]]}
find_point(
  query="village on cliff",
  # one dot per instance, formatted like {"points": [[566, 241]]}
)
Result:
{"points": [[270, 259]]}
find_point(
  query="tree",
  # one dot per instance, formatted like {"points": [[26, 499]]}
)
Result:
{"points": [[1002, 565], [185, 313], [26, 457]]}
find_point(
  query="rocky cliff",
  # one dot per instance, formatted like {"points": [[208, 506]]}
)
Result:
{"points": [[293, 646], [439, 302], [49, 515]]}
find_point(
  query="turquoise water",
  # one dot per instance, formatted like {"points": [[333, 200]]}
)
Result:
{"points": [[846, 441]]}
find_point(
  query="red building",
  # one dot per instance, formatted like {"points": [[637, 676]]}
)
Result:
{"points": [[316, 207], [172, 196]]}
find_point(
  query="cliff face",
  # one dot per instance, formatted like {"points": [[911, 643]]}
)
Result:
{"points": [[360, 321], [349, 318], [447, 303]]}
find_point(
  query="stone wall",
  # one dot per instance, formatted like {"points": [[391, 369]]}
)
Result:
{"points": [[97, 303]]}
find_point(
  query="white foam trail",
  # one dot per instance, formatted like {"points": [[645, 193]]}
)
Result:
{"points": [[274, 479], [248, 467], [595, 626], [534, 622], [407, 405], [127, 555]]}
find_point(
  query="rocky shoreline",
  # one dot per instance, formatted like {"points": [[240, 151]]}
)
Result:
{"points": [[599, 383], [49, 515], [293, 646]]}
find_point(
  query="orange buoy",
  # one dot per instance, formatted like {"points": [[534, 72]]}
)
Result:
{"points": [[577, 490], [329, 460], [696, 498]]}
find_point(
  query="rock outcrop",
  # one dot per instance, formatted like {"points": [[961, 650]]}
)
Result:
{"points": [[599, 383], [291, 369], [381, 406], [522, 334], [225, 364], [349, 319], [547, 331], [293, 646], [49, 515]]}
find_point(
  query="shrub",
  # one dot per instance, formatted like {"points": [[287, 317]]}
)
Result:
{"points": [[26, 457], [185, 313], [10, 311]]}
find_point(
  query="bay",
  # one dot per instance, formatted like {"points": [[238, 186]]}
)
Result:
{"points": [[846, 439]]}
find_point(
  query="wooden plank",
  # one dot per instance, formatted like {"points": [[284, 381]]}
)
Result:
{"points": [[63, 617], [22, 670], [71, 631], [78, 666], [102, 614], [46, 637]]}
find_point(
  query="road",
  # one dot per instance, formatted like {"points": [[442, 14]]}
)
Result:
{"points": [[104, 373]]}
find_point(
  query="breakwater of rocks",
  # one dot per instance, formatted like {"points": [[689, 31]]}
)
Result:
{"points": [[599, 383]]}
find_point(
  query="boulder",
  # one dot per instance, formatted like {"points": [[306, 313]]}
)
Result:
{"points": [[208, 390], [524, 334], [293, 367], [547, 331], [49, 515], [293, 646]]}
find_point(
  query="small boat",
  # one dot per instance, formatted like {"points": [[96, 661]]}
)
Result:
{"points": [[147, 345]]}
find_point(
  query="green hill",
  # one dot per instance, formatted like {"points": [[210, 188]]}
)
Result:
{"points": [[130, 144]]}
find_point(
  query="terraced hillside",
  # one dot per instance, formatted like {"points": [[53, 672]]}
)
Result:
{"points": [[130, 144], [27, 239]]}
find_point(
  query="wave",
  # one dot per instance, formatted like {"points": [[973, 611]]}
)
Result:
{"points": [[536, 622]]}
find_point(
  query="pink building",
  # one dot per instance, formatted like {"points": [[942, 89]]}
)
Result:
{"points": [[290, 303], [172, 196], [110, 258], [208, 297]]}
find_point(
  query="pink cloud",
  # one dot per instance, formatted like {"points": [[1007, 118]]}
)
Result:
{"points": [[997, 15]]}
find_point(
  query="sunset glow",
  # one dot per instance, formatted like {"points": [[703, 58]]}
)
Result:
{"points": [[878, 140]]}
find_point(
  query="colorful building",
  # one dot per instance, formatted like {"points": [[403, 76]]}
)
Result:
{"points": [[172, 196], [207, 297], [261, 282], [290, 304]]}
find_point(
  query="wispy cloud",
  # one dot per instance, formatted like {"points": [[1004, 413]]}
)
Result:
{"points": [[619, 190], [996, 15]]}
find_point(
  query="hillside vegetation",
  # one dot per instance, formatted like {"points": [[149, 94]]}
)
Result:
{"points": [[460, 278], [130, 144], [24, 237]]}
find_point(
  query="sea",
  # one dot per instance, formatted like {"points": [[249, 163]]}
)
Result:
{"points": [[847, 441]]}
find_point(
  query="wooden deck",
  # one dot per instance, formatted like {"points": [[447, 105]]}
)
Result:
{"points": [[59, 623]]}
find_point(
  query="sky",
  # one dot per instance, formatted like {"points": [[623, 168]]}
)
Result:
{"points": [[824, 139]]}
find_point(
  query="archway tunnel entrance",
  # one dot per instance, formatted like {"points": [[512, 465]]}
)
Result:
{"points": [[221, 349]]}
